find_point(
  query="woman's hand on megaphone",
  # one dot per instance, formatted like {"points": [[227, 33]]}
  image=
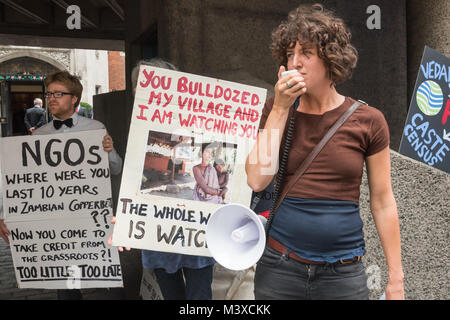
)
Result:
{"points": [[113, 221]]}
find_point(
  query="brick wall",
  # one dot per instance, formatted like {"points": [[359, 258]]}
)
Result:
{"points": [[116, 63]]}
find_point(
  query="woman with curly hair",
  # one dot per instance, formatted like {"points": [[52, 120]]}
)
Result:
{"points": [[315, 240]]}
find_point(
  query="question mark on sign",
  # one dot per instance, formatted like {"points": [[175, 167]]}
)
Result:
{"points": [[94, 215], [104, 254], [105, 212]]}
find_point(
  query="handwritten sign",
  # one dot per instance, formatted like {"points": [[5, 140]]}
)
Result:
{"points": [[426, 136], [57, 205], [187, 145]]}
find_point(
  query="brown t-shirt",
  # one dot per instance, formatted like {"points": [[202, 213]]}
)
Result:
{"points": [[336, 172]]}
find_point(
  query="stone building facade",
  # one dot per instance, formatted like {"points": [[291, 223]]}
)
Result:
{"points": [[23, 69]]}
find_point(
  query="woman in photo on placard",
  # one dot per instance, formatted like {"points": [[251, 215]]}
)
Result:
{"points": [[315, 238], [207, 186]]}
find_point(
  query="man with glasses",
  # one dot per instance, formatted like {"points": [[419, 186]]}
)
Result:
{"points": [[63, 94]]}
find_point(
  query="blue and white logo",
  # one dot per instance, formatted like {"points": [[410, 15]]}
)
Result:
{"points": [[430, 98]]}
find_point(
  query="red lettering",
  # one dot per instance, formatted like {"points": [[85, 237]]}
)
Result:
{"points": [[164, 85], [210, 124], [219, 109], [194, 106], [446, 112], [157, 115], [193, 90], [181, 86], [166, 115], [206, 124], [152, 96], [201, 120], [249, 131], [182, 104], [168, 99], [193, 121], [184, 122], [217, 125], [254, 115], [243, 131], [236, 95], [148, 77], [210, 108], [208, 94], [226, 111], [218, 92], [248, 115], [155, 81], [141, 116], [234, 128], [245, 94], [200, 92], [227, 94], [255, 100], [238, 113]]}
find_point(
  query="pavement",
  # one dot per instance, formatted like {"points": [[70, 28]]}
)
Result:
{"points": [[8, 284]]}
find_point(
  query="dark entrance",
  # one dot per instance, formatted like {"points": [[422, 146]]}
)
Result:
{"points": [[22, 96], [22, 80]]}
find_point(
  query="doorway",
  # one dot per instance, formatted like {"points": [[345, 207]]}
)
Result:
{"points": [[21, 98]]}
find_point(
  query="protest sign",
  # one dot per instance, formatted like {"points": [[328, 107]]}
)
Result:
{"points": [[57, 204], [426, 136], [188, 141]]}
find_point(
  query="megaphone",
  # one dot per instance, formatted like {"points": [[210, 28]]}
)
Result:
{"points": [[236, 237]]}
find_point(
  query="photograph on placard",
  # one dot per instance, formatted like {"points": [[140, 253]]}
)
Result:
{"points": [[180, 167]]}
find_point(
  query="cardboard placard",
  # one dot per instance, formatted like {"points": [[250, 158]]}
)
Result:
{"points": [[160, 205], [57, 204]]}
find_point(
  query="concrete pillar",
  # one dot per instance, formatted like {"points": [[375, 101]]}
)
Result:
{"points": [[423, 217], [428, 23]]}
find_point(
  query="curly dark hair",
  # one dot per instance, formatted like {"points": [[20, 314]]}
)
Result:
{"points": [[314, 25]]}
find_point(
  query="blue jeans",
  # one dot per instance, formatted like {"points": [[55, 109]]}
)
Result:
{"points": [[196, 287], [278, 277]]}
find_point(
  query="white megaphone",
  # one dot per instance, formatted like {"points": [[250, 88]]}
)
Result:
{"points": [[236, 237]]}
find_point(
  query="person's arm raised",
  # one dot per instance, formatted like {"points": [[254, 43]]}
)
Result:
{"points": [[262, 162]]}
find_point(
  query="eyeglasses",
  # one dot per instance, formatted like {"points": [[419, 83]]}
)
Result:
{"points": [[47, 95]]}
